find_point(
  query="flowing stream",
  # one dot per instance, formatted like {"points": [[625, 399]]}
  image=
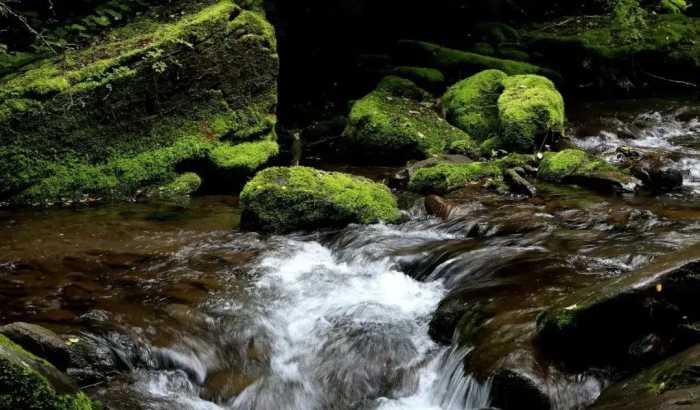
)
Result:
{"points": [[340, 319]]}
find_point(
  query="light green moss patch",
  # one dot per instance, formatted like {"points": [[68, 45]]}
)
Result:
{"points": [[529, 107], [23, 386], [246, 156], [288, 199], [673, 6], [183, 186], [471, 104], [397, 122], [466, 147]]}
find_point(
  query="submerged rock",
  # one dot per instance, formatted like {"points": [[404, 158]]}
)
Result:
{"points": [[301, 198], [122, 114], [28, 382], [612, 323], [396, 122], [656, 174], [574, 166], [39, 341]]}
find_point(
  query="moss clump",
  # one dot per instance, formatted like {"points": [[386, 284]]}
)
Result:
{"points": [[25, 383], [109, 119], [529, 107], [466, 147], [557, 166], [673, 6], [443, 178], [471, 104], [297, 198], [248, 156], [183, 186], [428, 78], [459, 63], [397, 122]]}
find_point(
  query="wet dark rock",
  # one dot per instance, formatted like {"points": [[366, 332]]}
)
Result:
{"points": [[648, 313], [513, 389], [672, 384], [517, 183], [438, 206], [39, 341], [656, 174]]}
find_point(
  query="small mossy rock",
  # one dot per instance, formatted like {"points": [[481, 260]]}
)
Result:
{"points": [[575, 166], [183, 186], [121, 114], [401, 179], [471, 104], [672, 384], [530, 108], [427, 78], [28, 382], [600, 325], [301, 198], [445, 177], [466, 147], [458, 64], [396, 122]]}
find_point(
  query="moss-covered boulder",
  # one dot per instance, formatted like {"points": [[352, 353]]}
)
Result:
{"points": [[28, 382], [471, 104], [183, 186], [529, 109], [302, 198], [396, 122], [123, 114], [574, 166]]}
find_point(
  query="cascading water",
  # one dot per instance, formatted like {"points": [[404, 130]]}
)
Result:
{"points": [[342, 327]]}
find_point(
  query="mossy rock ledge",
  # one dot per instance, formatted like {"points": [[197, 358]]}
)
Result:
{"points": [[396, 122], [300, 198], [578, 167], [28, 382], [125, 114]]}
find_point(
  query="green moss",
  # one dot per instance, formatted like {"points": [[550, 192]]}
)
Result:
{"points": [[463, 63], [471, 104], [396, 122], [24, 386], [288, 199], [557, 166], [248, 156], [104, 120], [529, 107], [442, 178], [673, 6], [184, 185], [428, 78], [465, 147]]}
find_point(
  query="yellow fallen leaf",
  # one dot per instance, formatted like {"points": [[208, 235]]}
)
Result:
{"points": [[659, 287]]}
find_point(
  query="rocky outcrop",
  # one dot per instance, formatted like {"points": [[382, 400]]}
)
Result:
{"points": [[126, 113], [302, 198]]}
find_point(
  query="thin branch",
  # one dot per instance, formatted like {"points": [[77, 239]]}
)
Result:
{"points": [[6, 10], [679, 82]]}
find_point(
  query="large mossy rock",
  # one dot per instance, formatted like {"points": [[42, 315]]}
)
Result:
{"points": [[302, 198], [471, 104], [122, 114], [530, 109], [28, 382], [673, 384], [517, 113], [625, 322], [575, 166], [396, 122]]}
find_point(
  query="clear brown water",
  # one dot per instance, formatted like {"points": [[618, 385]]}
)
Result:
{"points": [[338, 319]]}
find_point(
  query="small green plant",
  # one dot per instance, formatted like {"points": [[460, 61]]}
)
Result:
{"points": [[629, 20]]}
